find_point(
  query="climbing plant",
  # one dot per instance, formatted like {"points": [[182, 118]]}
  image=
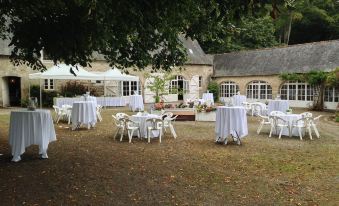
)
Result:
{"points": [[318, 79]]}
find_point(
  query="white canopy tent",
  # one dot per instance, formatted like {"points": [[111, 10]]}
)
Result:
{"points": [[62, 72]]}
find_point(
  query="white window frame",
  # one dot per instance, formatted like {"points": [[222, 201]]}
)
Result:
{"points": [[228, 88], [50, 84], [331, 94], [174, 84], [43, 59], [129, 85], [258, 88], [296, 90]]}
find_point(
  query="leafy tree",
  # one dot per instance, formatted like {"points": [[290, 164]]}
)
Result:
{"points": [[129, 33], [159, 84]]}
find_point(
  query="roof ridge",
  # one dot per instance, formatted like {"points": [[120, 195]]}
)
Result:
{"points": [[283, 46]]}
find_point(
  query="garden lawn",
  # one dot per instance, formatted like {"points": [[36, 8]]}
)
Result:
{"points": [[89, 167]]}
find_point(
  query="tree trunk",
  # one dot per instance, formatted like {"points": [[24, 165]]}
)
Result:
{"points": [[287, 29]]}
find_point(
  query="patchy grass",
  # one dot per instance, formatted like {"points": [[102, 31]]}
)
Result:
{"points": [[89, 167]]}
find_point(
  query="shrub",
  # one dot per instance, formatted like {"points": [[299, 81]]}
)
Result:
{"points": [[213, 87], [47, 97], [72, 89]]}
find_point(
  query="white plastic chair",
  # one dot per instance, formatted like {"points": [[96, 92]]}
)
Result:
{"points": [[168, 124], [303, 123], [121, 115], [306, 114], [154, 124], [258, 108], [264, 120], [131, 128], [120, 124], [281, 124], [98, 111], [313, 123], [59, 113], [248, 107]]}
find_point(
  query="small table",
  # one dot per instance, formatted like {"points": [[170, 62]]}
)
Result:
{"points": [[208, 97], [277, 105], [84, 112], [237, 100], [290, 118], [30, 127], [136, 103], [89, 99], [230, 121], [141, 119]]}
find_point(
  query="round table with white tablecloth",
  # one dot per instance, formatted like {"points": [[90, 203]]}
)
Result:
{"points": [[290, 118], [237, 100], [277, 105], [136, 102], [30, 127], [89, 99], [84, 112], [230, 121], [208, 97], [141, 119]]}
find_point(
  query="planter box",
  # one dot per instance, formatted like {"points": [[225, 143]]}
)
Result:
{"points": [[205, 116]]}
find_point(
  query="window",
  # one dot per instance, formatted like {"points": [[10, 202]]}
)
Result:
{"points": [[294, 90], [200, 81], [128, 87], [49, 84], [259, 90], [178, 83], [331, 94], [228, 89]]}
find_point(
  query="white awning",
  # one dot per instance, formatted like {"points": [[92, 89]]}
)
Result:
{"points": [[116, 75], [62, 71]]}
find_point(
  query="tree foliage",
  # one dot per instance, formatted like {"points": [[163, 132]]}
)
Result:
{"points": [[129, 33], [158, 84]]}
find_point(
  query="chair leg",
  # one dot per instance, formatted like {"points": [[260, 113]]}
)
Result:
{"points": [[58, 119], [300, 135], [309, 132], [259, 128], [173, 131], [130, 135], [281, 129], [160, 131], [122, 134], [316, 131], [148, 136], [116, 133]]}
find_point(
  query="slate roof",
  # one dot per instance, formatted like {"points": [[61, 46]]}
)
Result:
{"points": [[300, 58], [195, 54]]}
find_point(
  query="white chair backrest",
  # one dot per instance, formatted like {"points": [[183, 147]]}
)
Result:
{"points": [[259, 108], [306, 114], [119, 122], [121, 115], [155, 123], [276, 113], [57, 109]]}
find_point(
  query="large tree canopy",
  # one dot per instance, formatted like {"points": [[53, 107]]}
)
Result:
{"points": [[129, 33]]}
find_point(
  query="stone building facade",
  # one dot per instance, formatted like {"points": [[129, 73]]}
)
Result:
{"points": [[197, 71], [256, 73]]}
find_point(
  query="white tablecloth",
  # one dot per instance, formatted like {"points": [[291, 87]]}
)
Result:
{"points": [[136, 103], [89, 98], [208, 96], [290, 118], [230, 121], [237, 100], [84, 113], [277, 105], [142, 123], [30, 127], [103, 101]]}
